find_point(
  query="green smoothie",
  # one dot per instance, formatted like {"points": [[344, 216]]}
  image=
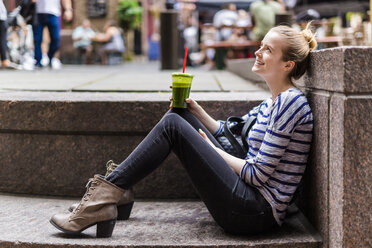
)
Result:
{"points": [[181, 85]]}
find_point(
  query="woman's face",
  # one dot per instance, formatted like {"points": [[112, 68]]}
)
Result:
{"points": [[269, 57]]}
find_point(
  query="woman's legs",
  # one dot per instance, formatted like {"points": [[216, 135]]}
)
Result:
{"points": [[236, 207], [211, 176], [3, 34]]}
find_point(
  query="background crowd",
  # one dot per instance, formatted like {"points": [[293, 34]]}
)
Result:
{"points": [[30, 35]]}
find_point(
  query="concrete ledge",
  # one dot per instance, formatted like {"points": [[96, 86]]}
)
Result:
{"points": [[52, 143], [152, 224], [106, 112]]}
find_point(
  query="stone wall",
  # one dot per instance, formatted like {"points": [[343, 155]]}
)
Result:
{"points": [[51, 143], [338, 181]]}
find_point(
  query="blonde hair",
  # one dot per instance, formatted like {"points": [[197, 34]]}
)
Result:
{"points": [[299, 45]]}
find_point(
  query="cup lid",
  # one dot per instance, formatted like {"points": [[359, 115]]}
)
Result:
{"points": [[180, 74]]}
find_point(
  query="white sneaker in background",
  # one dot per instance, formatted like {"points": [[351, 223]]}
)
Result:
{"points": [[44, 60], [56, 64]]}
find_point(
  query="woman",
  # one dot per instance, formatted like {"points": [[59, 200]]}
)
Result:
{"points": [[113, 42], [244, 196]]}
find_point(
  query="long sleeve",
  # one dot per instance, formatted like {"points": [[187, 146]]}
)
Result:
{"points": [[276, 130]]}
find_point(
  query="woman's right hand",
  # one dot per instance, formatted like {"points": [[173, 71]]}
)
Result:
{"points": [[192, 105]]}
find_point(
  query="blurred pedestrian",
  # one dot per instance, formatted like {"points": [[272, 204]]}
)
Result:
{"points": [[223, 19], [82, 37], [5, 62], [112, 41], [48, 13], [263, 13]]}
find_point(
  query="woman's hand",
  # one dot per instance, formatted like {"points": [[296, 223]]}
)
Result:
{"points": [[205, 137], [192, 105]]}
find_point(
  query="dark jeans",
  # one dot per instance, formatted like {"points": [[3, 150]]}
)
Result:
{"points": [[3, 34], [52, 22], [235, 206]]}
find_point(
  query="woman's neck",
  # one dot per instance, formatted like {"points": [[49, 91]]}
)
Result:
{"points": [[279, 86]]}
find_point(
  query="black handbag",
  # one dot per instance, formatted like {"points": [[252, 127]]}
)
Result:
{"points": [[233, 140]]}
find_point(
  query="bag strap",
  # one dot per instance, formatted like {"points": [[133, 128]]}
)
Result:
{"points": [[247, 126], [229, 135]]}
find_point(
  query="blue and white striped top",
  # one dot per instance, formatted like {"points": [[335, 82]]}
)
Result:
{"points": [[279, 144]]}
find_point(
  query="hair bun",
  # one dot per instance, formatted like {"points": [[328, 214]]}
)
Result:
{"points": [[309, 37]]}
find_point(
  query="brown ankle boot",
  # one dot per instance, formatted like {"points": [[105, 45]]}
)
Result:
{"points": [[125, 204], [97, 207]]}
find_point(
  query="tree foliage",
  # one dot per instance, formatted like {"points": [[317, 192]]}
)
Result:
{"points": [[130, 14]]}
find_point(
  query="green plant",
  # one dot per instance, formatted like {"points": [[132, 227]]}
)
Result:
{"points": [[130, 14]]}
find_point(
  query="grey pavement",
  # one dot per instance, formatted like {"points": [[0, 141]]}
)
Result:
{"points": [[25, 223], [129, 77]]}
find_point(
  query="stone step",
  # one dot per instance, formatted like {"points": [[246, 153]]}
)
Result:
{"points": [[52, 142], [25, 223]]}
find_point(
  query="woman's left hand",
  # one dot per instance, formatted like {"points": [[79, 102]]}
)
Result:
{"points": [[205, 137]]}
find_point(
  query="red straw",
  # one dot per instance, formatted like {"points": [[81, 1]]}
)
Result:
{"points": [[184, 61]]}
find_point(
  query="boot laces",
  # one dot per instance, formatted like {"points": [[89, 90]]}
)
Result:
{"points": [[110, 167], [90, 187]]}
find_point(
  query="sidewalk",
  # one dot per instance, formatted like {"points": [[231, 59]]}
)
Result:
{"points": [[129, 77]]}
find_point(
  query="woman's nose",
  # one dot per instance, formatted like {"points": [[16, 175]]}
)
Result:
{"points": [[257, 53]]}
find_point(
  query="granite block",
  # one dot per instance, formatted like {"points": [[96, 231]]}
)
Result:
{"points": [[111, 113], [341, 69], [160, 224], [336, 174], [61, 165], [325, 70], [357, 172], [358, 70], [66, 138], [315, 199], [350, 171]]}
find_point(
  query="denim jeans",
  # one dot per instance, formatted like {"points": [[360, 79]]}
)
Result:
{"points": [[3, 36], [53, 24], [237, 207]]}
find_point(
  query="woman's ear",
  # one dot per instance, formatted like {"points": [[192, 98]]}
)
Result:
{"points": [[289, 65]]}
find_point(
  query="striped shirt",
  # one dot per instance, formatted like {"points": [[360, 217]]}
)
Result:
{"points": [[279, 144]]}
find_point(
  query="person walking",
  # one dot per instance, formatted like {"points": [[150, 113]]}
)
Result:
{"points": [[5, 62], [48, 15], [263, 13], [244, 196]]}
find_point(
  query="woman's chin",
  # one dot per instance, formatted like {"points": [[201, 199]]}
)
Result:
{"points": [[255, 70]]}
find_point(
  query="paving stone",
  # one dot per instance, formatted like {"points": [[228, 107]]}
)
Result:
{"points": [[24, 223]]}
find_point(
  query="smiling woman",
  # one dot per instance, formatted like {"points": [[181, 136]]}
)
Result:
{"points": [[247, 195], [283, 56]]}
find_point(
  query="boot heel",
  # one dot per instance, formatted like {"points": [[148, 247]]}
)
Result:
{"points": [[124, 211], [105, 228]]}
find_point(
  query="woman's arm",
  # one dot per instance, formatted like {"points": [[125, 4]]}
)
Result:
{"points": [[211, 124], [235, 163], [105, 37]]}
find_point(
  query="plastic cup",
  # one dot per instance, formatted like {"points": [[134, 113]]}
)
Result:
{"points": [[181, 86]]}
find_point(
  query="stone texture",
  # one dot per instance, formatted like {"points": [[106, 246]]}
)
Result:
{"points": [[342, 69], [152, 224], [61, 165], [339, 83], [357, 172], [336, 173], [315, 200], [67, 140], [106, 113], [350, 159]]}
